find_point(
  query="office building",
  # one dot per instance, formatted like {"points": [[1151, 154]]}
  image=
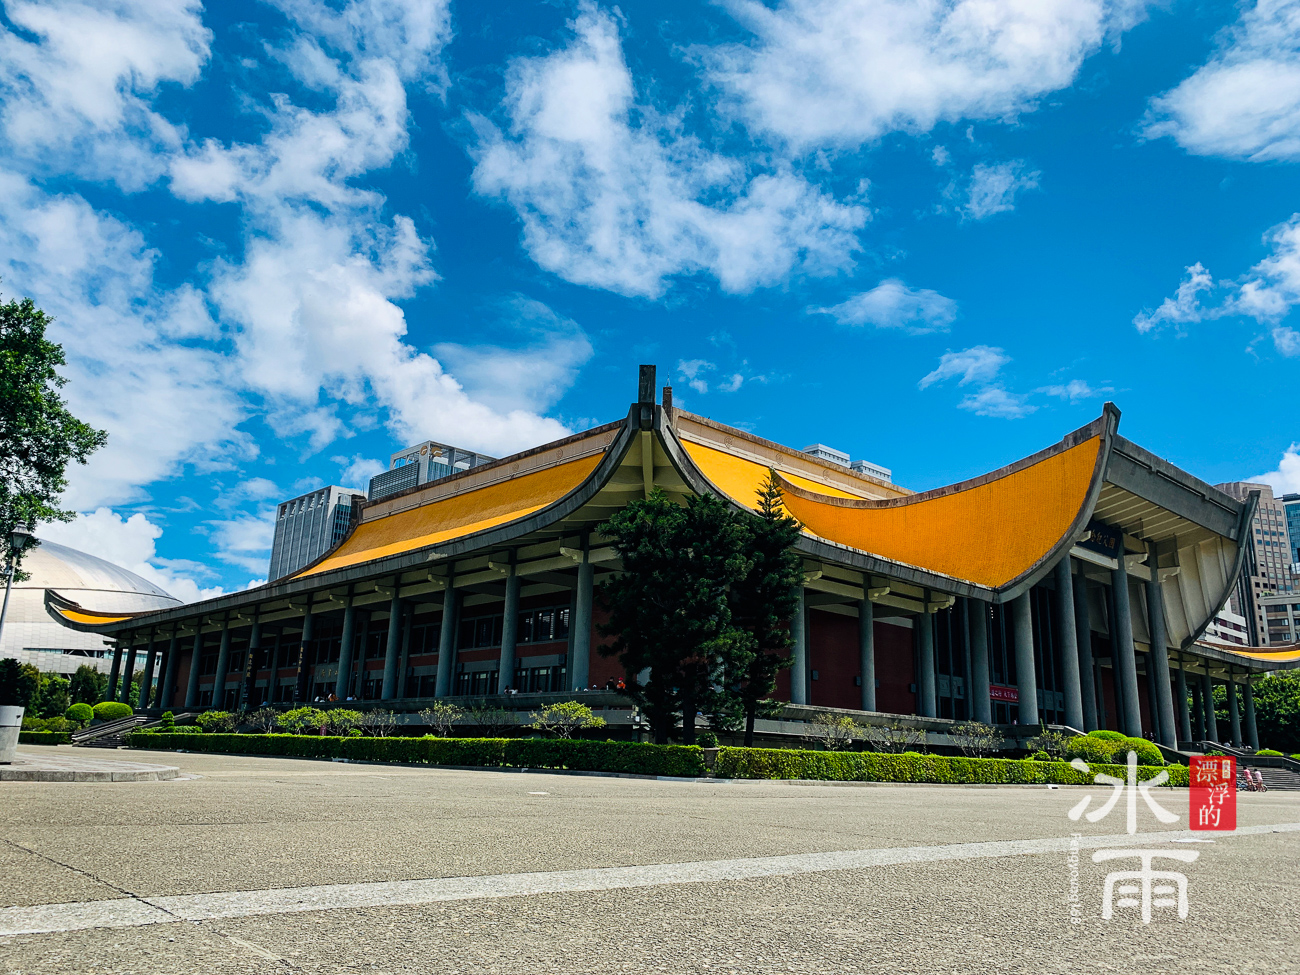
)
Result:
{"points": [[308, 527], [422, 464], [1267, 566]]}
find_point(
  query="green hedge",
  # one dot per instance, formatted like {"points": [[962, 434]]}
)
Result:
{"points": [[587, 756], [782, 763], [112, 710], [44, 737]]}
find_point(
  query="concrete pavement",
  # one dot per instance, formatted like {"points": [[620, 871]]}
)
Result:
{"points": [[859, 886]]}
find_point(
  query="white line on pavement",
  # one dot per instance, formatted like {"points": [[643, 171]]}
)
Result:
{"points": [[134, 912]]}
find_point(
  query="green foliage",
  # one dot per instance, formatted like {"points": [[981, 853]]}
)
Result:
{"points": [[53, 698], [977, 739], [540, 753], [781, 763], [1112, 749], [44, 737], [59, 723], [835, 732], [564, 718], [112, 710], [342, 721], [39, 437], [1041, 756], [1270, 752], [19, 684], [1107, 735], [168, 720], [706, 739], [216, 722], [1277, 709], [32, 723], [178, 729], [80, 712], [441, 717], [302, 721], [88, 685]]}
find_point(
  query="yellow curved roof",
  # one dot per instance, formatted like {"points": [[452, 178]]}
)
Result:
{"points": [[1275, 656], [461, 514], [88, 617], [740, 478]]}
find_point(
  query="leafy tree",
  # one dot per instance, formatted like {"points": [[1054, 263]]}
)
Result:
{"points": [[19, 684], [53, 698], [763, 602], [1277, 710], [670, 604], [441, 717], [564, 718], [835, 732], [88, 685], [80, 712], [38, 435], [217, 722]]}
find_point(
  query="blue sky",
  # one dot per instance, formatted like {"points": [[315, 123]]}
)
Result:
{"points": [[284, 239]]}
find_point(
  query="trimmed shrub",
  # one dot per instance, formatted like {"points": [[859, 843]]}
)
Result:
{"points": [[1112, 749], [80, 713], [1041, 756], [302, 721], [59, 723], [33, 723], [168, 719], [1106, 735], [1269, 751], [706, 739], [112, 710], [781, 763], [178, 729], [556, 753], [217, 721], [43, 737]]}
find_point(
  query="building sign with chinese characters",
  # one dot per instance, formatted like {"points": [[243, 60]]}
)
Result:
{"points": [[1001, 692], [1102, 538], [1213, 791]]}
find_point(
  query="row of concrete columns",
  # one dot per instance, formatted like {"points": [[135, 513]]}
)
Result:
{"points": [[1073, 637]]}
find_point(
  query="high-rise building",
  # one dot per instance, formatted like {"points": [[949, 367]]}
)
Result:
{"points": [[308, 527], [836, 456], [1291, 506], [1269, 554], [421, 464], [1281, 618]]}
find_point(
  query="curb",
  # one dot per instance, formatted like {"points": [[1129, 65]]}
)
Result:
{"points": [[69, 775]]}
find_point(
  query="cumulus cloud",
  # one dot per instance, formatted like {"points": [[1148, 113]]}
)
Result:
{"points": [[1075, 391], [996, 401], [128, 542], [892, 304], [356, 471], [1266, 293], [613, 195], [993, 188], [1244, 102], [1286, 479], [693, 371], [844, 72], [978, 364]]}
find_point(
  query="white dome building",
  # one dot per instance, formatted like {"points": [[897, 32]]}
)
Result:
{"points": [[33, 636]]}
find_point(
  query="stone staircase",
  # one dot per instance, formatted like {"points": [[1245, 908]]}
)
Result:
{"points": [[110, 734]]}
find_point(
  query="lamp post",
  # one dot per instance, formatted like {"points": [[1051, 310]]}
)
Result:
{"points": [[19, 539]]}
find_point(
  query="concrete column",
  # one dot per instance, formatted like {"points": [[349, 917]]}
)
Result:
{"points": [[446, 640], [580, 657], [114, 671], [1252, 732], [1087, 665], [146, 682], [404, 668], [196, 656], [1067, 639], [394, 645], [272, 682], [300, 683], [1198, 710], [1026, 678], [1234, 716], [250, 665], [129, 673], [223, 668], [1124, 657], [1207, 701], [867, 649], [927, 699], [981, 704], [1180, 691], [167, 687], [509, 633], [344, 678], [1158, 669], [799, 636]]}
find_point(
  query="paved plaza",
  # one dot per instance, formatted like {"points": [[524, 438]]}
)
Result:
{"points": [[44, 764], [245, 865]]}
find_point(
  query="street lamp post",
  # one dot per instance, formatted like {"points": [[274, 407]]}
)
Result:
{"points": [[19, 539]]}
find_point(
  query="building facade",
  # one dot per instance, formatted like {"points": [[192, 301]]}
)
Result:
{"points": [[1070, 588], [422, 464], [1291, 509], [309, 526], [1266, 569]]}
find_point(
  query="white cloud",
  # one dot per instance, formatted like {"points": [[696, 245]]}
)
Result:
{"points": [[245, 540], [77, 97], [1286, 479], [993, 188], [692, 372], [612, 195], [357, 470], [1244, 102], [940, 156], [978, 364], [892, 304], [1267, 293], [1075, 391], [128, 542], [997, 402], [844, 72]]}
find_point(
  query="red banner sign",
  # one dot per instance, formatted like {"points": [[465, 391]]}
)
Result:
{"points": [[1001, 692], [1213, 790]]}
